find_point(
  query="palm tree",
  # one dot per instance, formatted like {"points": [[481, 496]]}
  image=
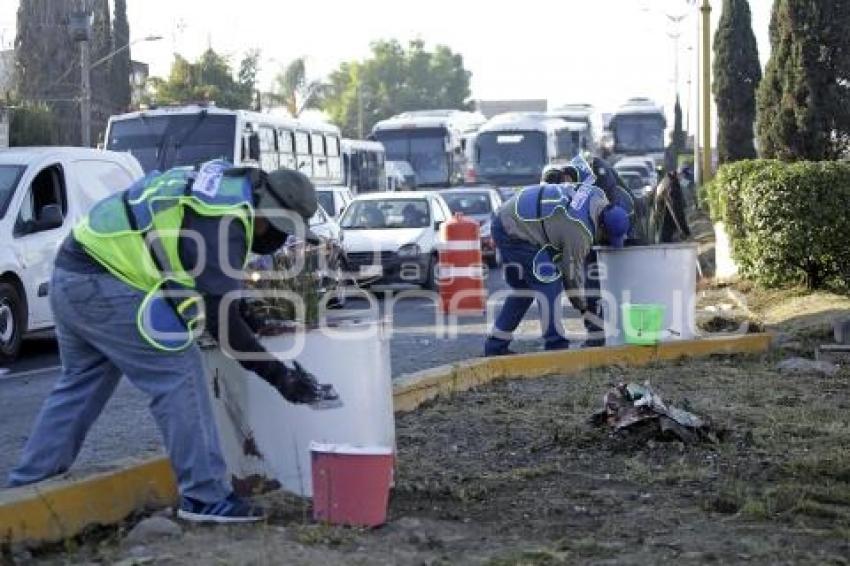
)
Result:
{"points": [[294, 91]]}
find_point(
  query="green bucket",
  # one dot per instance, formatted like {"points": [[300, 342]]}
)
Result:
{"points": [[643, 324]]}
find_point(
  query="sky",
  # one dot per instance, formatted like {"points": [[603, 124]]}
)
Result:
{"points": [[597, 51]]}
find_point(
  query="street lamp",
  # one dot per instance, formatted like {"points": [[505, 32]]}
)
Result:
{"points": [[81, 33]]}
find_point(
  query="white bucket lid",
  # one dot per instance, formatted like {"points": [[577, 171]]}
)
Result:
{"points": [[350, 449]]}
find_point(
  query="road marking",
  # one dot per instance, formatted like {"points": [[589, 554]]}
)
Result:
{"points": [[29, 373]]}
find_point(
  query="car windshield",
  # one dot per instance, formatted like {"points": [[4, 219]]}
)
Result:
{"points": [[326, 200], [424, 149], [470, 204], [636, 169], [633, 182], [510, 158], [386, 214], [642, 134], [9, 177], [163, 142]]}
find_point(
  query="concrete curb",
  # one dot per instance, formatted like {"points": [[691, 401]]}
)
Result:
{"points": [[62, 508], [58, 509]]}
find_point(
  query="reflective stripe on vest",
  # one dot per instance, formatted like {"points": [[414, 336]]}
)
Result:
{"points": [[115, 231], [539, 202]]}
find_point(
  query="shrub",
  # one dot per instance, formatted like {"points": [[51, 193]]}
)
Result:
{"points": [[786, 221], [32, 125]]}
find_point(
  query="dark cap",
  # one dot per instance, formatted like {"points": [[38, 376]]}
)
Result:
{"points": [[286, 196]]}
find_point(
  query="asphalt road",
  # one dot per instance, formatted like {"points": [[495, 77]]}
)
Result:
{"points": [[125, 428]]}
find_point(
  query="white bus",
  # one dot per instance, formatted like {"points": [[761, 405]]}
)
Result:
{"points": [[364, 166], [168, 137], [638, 128], [431, 141], [582, 114], [513, 149]]}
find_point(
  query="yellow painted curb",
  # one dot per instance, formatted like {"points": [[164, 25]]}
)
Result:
{"points": [[59, 509], [409, 392]]}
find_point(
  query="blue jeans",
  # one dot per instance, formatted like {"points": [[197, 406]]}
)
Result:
{"points": [[518, 257], [98, 342]]}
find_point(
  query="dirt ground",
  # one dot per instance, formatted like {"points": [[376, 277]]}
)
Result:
{"points": [[512, 474]]}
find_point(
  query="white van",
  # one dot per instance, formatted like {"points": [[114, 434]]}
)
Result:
{"points": [[44, 192]]}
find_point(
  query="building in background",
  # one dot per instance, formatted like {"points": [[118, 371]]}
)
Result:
{"points": [[492, 108]]}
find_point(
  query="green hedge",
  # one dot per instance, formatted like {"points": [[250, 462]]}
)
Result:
{"points": [[787, 222]]}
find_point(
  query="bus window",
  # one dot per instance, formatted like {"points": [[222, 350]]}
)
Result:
{"points": [[302, 153], [268, 149], [334, 163], [320, 160], [285, 148]]}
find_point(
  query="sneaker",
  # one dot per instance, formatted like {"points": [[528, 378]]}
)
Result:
{"points": [[497, 347], [229, 510]]}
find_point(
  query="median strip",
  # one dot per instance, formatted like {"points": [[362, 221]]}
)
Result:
{"points": [[62, 508]]}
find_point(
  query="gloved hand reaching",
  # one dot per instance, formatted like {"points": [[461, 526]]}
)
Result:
{"points": [[299, 386]]}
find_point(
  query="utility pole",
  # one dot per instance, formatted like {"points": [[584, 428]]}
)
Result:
{"points": [[85, 93], [80, 28], [359, 111], [706, 91]]}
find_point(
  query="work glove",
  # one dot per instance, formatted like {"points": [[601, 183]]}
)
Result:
{"points": [[298, 386]]}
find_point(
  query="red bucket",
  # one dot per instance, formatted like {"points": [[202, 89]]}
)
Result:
{"points": [[351, 484]]}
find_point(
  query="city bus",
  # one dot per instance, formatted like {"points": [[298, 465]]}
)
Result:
{"points": [[637, 128], [582, 114], [168, 137], [512, 149], [431, 141], [364, 166]]}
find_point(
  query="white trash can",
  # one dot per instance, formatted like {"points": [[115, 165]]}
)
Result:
{"points": [[664, 274], [266, 440]]}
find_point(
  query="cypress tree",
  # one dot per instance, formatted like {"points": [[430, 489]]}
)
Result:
{"points": [[804, 101], [47, 63], [121, 93], [737, 74]]}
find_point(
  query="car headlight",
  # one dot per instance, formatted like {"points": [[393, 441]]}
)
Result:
{"points": [[485, 230], [409, 250]]}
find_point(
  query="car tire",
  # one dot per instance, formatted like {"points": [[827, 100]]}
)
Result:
{"points": [[12, 322]]}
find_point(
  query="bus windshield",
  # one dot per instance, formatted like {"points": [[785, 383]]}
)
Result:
{"points": [[510, 158], [639, 134], [424, 149], [163, 142]]}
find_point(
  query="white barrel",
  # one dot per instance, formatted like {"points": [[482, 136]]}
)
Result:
{"points": [[266, 439], [664, 274]]}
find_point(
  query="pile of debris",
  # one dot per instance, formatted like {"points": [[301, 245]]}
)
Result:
{"points": [[631, 407]]}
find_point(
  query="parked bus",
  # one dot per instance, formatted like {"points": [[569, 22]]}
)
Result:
{"points": [[364, 166], [163, 138], [512, 149], [582, 114], [432, 141], [637, 128]]}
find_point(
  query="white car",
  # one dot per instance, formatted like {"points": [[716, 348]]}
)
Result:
{"points": [[334, 199], [392, 238], [44, 192], [481, 204], [639, 166]]}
